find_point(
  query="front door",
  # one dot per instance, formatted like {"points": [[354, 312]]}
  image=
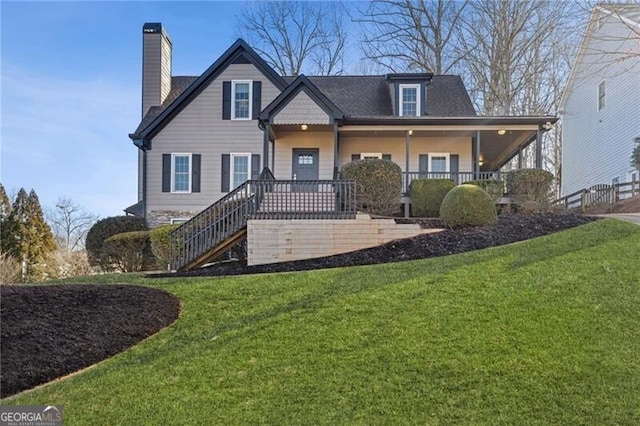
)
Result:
{"points": [[305, 167]]}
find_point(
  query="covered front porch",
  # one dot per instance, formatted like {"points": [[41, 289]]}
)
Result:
{"points": [[460, 149]]}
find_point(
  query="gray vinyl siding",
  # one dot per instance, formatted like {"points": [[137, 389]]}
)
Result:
{"points": [[156, 70], [301, 110], [199, 129], [597, 144]]}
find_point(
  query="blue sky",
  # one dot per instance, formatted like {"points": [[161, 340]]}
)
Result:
{"points": [[70, 91]]}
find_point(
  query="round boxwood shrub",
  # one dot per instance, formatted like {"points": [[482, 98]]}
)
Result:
{"points": [[427, 196], [467, 205], [378, 185], [104, 229], [130, 251], [160, 244]]}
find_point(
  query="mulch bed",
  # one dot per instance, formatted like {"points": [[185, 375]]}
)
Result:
{"points": [[510, 228], [50, 331]]}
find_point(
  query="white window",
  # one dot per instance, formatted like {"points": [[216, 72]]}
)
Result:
{"points": [[367, 155], [181, 173], [601, 96], [241, 98], [240, 169], [439, 162], [409, 100]]}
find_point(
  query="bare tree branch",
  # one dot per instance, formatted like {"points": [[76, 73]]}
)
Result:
{"points": [[296, 37], [412, 35], [70, 223]]}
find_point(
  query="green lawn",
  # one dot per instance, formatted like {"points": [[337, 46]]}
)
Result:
{"points": [[541, 332]]}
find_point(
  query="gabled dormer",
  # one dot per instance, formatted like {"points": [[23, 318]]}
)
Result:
{"points": [[409, 93]]}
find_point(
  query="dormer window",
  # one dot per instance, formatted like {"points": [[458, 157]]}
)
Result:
{"points": [[241, 100], [409, 102]]}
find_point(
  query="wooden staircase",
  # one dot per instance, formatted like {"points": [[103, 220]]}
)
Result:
{"points": [[223, 224]]}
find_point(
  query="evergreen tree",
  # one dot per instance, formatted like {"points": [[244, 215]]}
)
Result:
{"points": [[29, 238], [5, 209]]}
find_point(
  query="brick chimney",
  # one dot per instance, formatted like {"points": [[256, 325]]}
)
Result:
{"points": [[156, 65]]}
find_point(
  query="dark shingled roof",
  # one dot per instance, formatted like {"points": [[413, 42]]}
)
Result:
{"points": [[359, 96], [447, 97], [356, 96], [370, 95], [178, 85]]}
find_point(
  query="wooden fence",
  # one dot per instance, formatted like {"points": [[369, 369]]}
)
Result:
{"points": [[599, 195]]}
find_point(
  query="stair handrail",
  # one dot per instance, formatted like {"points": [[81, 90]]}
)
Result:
{"points": [[197, 235]]}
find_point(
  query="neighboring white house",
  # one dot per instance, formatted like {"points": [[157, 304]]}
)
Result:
{"points": [[600, 107]]}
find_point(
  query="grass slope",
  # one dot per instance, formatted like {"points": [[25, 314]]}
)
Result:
{"points": [[541, 332]]}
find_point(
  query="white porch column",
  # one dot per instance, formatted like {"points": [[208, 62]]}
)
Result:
{"points": [[336, 151]]}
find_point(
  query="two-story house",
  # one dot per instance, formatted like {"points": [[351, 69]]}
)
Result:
{"points": [[600, 107], [202, 136]]}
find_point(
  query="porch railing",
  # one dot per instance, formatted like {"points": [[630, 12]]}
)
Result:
{"points": [[457, 177], [260, 199]]}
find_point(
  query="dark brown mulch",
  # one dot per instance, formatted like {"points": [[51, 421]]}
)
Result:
{"points": [[509, 229], [50, 331]]}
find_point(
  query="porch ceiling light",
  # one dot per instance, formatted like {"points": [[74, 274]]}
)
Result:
{"points": [[410, 132], [502, 132], [304, 126]]}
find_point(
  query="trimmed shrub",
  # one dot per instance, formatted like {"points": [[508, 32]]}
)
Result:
{"points": [[531, 188], [104, 229], [467, 205], [427, 196], [130, 251], [160, 244], [378, 183], [494, 187]]}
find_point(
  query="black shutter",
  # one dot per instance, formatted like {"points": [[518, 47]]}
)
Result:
{"points": [[255, 166], [195, 172], [355, 157], [453, 167], [386, 157], [166, 172], [226, 171], [396, 97], [423, 99], [257, 99], [423, 165], [226, 100]]}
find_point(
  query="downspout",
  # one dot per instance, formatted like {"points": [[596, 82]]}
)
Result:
{"points": [[144, 183], [265, 146]]}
